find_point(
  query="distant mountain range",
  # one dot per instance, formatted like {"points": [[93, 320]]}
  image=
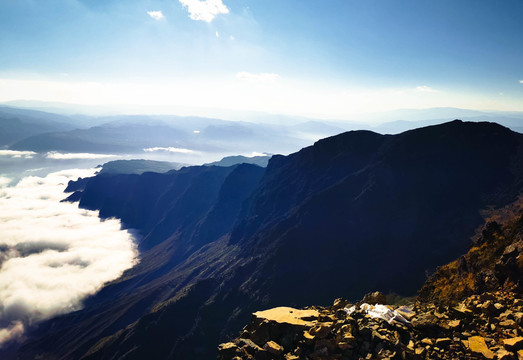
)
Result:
{"points": [[353, 213], [137, 166], [37, 131], [30, 130], [16, 124], [262, 161]]}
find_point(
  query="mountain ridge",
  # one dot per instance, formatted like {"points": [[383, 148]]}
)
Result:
{"points": [[312, 217]]}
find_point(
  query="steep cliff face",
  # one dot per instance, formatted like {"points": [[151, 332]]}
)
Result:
{"points": [[471, 308], [386, 208], [356, 212]]}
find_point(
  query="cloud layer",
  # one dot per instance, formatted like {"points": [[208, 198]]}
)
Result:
{"points": [[53, 254], [17, 154], [169, 149], [204, 10], [73, 156]]}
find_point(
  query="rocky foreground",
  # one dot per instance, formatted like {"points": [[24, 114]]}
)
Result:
{"points": [[487, 326], [471, 308]]}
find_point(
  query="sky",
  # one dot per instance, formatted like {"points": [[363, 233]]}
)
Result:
{"points": [[327, 58]]}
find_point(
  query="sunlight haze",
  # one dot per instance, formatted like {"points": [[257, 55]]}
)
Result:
{"points": [[324, 59]]}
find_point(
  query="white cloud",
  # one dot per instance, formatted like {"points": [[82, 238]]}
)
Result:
{"points": [[53, 254], [156, 15], [70, 156], [17, 154], [521, 81], [255, 153], [204, 10], [425, 88], [231, 37], [217, 34], [169, 149], [257, 78], [4, 181], [13, 332], [196, 131]]}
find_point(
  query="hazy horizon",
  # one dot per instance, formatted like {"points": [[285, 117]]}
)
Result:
{"points": [[327, 61]]}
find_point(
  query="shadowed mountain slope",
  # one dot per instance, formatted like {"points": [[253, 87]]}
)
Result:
{"points": [[355, 212]]}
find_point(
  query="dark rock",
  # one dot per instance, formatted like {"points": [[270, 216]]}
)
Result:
{"points": [[273, 348], [375, 298]]}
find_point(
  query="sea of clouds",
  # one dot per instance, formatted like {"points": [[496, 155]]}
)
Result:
{"points": [[53, 254]]}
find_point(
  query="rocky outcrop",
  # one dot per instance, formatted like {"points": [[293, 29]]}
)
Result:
{"points": [[494, 261], [487, 326]]}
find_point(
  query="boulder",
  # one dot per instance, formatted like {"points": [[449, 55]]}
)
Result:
{"points": [[478, 346], [503, 354], [375, 298], [513, 344], [273, 348], [288, 315], [228, 350]]}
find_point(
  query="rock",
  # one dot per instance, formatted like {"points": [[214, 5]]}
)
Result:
{"points": [[287, 315], [489, 308], [420, 351], [321, 330], [249, 346], [477, 345], [504, 355], [513, 344], [406, 312], [518, 317], [345, 346], [454, 324], [377, 336], [510, 324], [461, 312], [427, 341], [330, 344], [443, 342], [340, 314], [425, 321], [273, 348], [308, 337], [438, 331], [228, 350], [375, 298], [410, 345], [340, 304]]}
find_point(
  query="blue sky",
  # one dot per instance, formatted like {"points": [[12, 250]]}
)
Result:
{"points": [[317, 58]]}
